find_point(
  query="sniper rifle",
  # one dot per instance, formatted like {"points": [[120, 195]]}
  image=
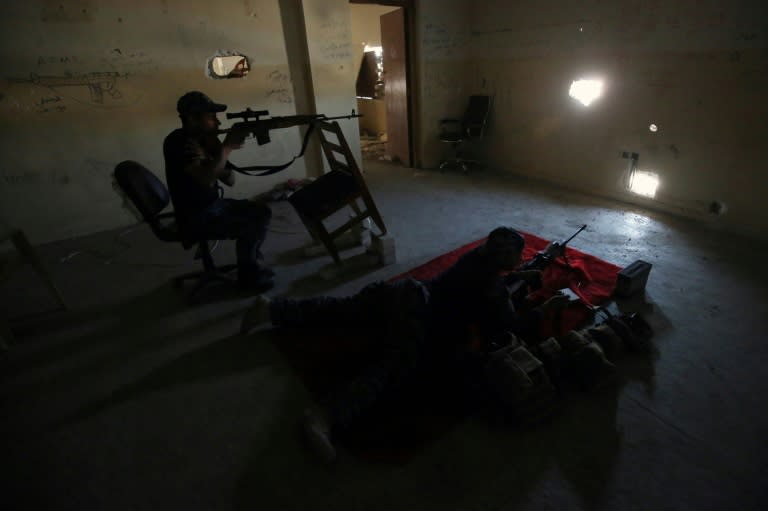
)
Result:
{"points": [[254, 124]]}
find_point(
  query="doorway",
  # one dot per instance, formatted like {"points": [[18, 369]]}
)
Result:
{"points": [[380, 49]]}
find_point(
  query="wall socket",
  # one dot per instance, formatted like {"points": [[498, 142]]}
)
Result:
{"points": [[629, 155], [717, 208]]}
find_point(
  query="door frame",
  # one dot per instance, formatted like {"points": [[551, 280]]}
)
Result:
{"points": [[409, 12]]}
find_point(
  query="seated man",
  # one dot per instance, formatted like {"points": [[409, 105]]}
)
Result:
{"points": [[195, 163], [418, 326]]}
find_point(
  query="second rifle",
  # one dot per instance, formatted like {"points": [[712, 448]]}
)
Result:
{"points": [[542, 259]]}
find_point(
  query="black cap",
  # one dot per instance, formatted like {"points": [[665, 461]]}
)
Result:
{"points": [[505, 238], [195, 102]]}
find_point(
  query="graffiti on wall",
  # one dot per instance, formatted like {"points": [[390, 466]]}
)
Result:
{"points": [[98, 84], [335, 39], [279, 87], [60, 82], [440, 40]]}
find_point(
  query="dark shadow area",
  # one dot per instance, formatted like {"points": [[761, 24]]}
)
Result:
{"points": [[154, 305], [217, 359], [582, 439], [332, 275], [130, 331], [401, 424], [218, 292], [35, 303], [722, 248], [297, 256], [292, 257], [114, 318], [650, 310]]}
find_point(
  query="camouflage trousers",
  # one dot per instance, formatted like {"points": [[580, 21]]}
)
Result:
{"points": [[395, 313]]}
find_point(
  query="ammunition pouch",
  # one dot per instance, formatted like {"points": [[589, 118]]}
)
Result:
{"points": [[634, 331], [518, 382], [584, 361]]}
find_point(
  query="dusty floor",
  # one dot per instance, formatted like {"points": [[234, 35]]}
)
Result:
{"points": [[134, 400]]}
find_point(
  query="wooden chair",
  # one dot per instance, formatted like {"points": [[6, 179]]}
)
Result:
{"points": [[341, 187]]}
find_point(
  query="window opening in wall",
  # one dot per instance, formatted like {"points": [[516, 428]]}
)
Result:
{"points": [[586, 91], [379, 53], [644, 183], [376, 49], [229, 66], [370, 77], [381, 45]]}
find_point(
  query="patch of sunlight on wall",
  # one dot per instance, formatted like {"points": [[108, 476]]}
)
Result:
{"points": [[644, 183], [586, 91]]}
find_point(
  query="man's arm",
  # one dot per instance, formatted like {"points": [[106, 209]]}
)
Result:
{"points": [[527, 322], [229, 178], [208, 166]]}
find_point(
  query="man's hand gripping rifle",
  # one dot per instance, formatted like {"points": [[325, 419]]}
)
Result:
{"points": [[519, 287]]}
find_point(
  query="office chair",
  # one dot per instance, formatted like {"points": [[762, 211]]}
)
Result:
{"points": [[340, 187], [150, 197], [470, 127]]}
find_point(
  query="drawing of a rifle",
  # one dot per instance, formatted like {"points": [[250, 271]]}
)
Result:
{"points": [[97, 83]]}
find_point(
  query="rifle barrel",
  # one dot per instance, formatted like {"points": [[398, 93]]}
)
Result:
{"points": [[290, 118], [351, 116], [575, 234]]}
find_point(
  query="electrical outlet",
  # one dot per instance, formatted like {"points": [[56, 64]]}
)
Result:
{"points": [[630, 156]]}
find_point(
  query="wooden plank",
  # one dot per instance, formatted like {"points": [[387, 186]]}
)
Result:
{"points": [[332, 147]]}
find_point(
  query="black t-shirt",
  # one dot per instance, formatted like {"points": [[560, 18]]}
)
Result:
{"points": [[189, 197], [463, 288], [473, 291]]}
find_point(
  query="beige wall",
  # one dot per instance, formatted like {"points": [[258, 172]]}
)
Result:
{"points": [[366, 28], [374, 116], [442, 60], [696, 68], [329, 37], [60, 143]]}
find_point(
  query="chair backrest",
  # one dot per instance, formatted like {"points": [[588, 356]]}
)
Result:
{"points": [[476, 115], [146, 191], [336, 146], [339, 147]]}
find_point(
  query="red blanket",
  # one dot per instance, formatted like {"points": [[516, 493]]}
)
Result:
{"points": [[589, 277], [397, 430]]}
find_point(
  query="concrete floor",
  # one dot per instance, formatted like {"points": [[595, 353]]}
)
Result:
{"points": [[134, 400]]}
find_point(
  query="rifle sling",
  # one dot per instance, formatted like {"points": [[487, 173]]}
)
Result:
{"points": [[267, 170]]}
